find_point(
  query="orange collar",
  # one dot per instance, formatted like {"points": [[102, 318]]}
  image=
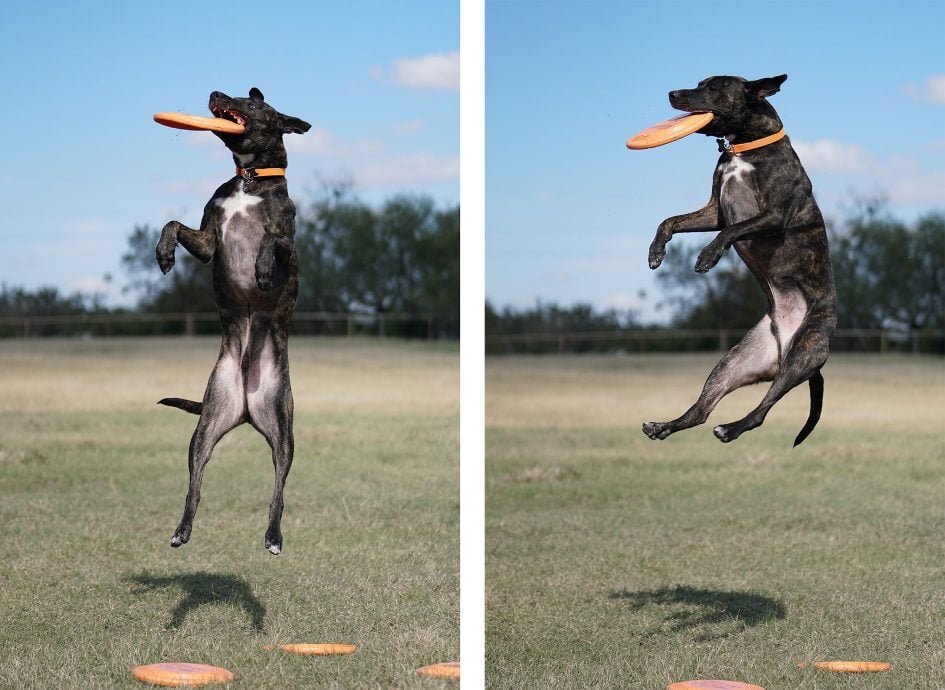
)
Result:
{"points": [[736, 149], [252, 173]]}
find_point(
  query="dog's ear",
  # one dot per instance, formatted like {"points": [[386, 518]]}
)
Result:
{"points": [[762, 88], [256, 94], [293, 125]]}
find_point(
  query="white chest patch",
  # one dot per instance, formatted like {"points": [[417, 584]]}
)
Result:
{"points": [[735, 170], [736, 194], [235, 204]]}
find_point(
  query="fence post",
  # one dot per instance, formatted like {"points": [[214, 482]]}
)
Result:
{"points": [[350, 321], [189, 324]]}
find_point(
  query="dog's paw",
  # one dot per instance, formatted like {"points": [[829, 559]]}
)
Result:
{"points": [[657, 253], [274, 546], [657, 430], [709, 257], [726, 433], [165, 255], [181, 536]]}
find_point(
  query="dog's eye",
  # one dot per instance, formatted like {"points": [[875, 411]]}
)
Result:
{"points": [[252, 106]]}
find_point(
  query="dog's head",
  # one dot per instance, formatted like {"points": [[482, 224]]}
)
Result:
{"points": [[261, 144], [736, 103]]}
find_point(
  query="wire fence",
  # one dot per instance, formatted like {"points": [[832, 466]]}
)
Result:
{"points": [[424, 326], [199, 323], [692, 340]]}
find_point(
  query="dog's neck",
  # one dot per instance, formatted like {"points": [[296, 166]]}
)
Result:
{"points": [[762, 122], [273, 157]]}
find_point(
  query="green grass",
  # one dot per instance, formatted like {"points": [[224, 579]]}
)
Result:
{"points": [[614, 561], [92, 482]]}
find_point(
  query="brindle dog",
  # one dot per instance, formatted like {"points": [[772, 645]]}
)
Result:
{"points": [[247, 237], [762, 204]]}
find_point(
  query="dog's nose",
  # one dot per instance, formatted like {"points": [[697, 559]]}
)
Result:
{"points": [[215, 94]]}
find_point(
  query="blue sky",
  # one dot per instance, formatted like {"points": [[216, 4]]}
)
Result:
{"points": [[85, 163], [570, 212]]}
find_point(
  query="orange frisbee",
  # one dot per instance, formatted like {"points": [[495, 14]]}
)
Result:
{"points": [[713, 685], [850, 666], [197, 122], [445, 669], [315, 649], [175, 674], [669, 131]]}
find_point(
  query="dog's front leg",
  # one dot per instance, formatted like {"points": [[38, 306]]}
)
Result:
{"points": [[272, 249], [763, 225], [201, 243], [705, 219]]}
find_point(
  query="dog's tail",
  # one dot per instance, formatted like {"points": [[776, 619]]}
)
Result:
{"points": [[816, 405], [185, 405]]}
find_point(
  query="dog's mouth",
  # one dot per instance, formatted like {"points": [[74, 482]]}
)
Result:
{"points": [[230, 114]]}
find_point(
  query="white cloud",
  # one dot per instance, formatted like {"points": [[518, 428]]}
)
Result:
{"points": [[933, 91], [369, 163], [410, 126], [832, 156], [88, 285], [407, 169], [439, 71], [621, 301], [936, 85], [918, 188]]}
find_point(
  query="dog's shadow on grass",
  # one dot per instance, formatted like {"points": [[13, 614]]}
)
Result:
{"points": [[201, 589], [710, 614]]}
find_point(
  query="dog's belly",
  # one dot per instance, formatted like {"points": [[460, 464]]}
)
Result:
{"points": [[737, 196], [788, 311], [241, 233]]}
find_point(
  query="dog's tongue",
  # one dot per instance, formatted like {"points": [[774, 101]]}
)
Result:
{"points": [[669, 131]]}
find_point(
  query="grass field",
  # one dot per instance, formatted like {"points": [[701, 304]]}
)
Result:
{"points": [[614, 561], [92, 482]]}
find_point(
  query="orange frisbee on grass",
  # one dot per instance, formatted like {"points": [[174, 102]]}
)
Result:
{"points": [[712, 685], [669, 131], [177, 674], [197, 122], [850, 666], [445, 669], [322, 649]]}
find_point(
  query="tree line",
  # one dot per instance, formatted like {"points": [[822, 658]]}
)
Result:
{"points": [[401, 257], [889, 275]]}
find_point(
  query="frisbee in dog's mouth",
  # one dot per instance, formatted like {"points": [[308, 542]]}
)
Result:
{"points": [[234, 123], [669, 130]]}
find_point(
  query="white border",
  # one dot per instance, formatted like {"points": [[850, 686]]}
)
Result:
{"points": [[472, 339]]}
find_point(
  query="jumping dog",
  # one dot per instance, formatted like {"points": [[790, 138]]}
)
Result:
{"points": [[247, 236], [762, 204]]}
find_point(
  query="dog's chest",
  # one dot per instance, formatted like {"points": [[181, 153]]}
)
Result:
{"points": [[241, 230], [737, 194]]}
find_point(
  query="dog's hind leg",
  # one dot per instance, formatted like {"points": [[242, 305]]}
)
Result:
{"points": [[270, 408], [754, 359], [807, 354], [223, 409]]}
